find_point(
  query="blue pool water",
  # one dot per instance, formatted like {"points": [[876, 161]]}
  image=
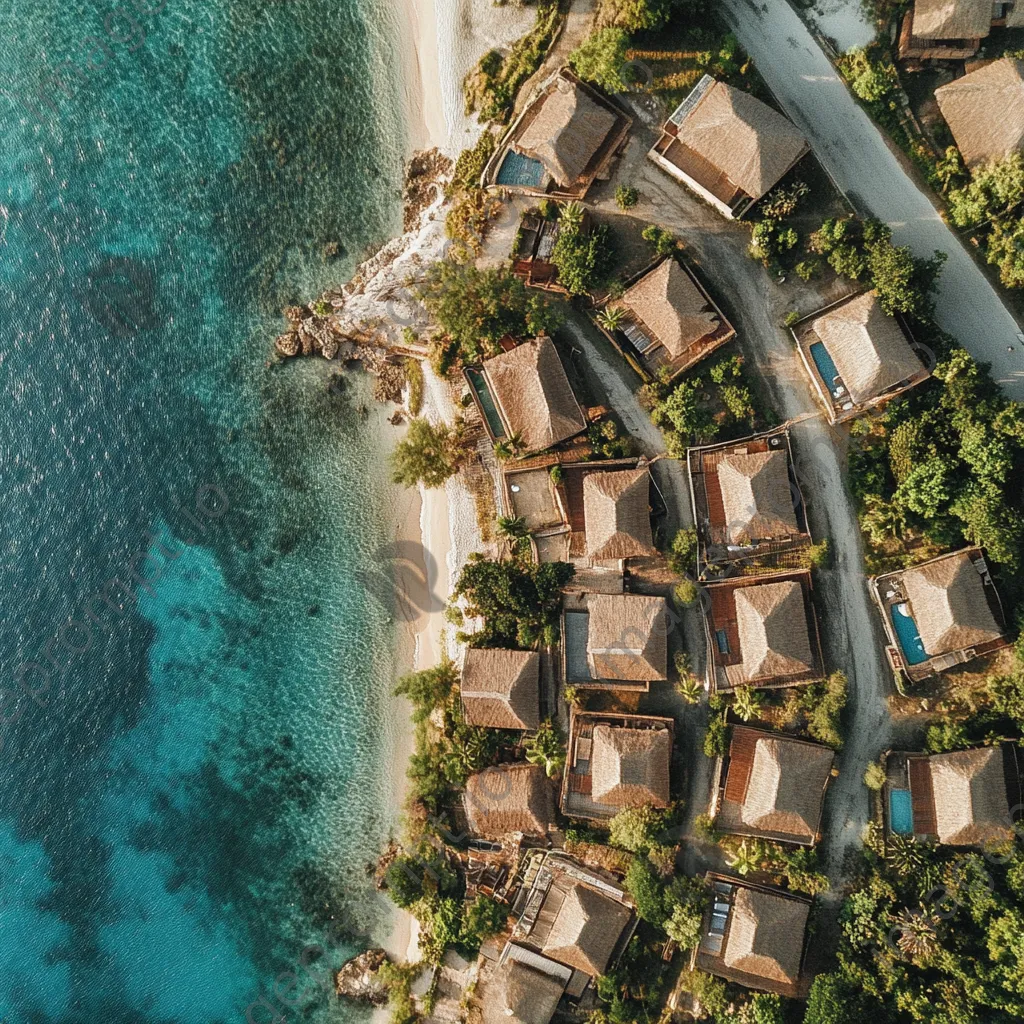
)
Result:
{"points": [[823, 361], [191, 771], [517, 169], [486, 399], [908, 636], [901, 815]]}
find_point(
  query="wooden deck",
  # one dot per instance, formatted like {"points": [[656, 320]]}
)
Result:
{"points": [[741, 763], [922, 797]]}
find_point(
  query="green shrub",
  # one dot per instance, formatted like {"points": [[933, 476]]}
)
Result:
{"points": [[600, 59], [583, 259], [636, 828], [874, 776], [643, 885], [682, 556], [626, 197], [428, 454], [414, 378], [685, 593]]}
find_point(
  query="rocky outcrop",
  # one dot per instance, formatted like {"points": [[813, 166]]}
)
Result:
{"points": [[358, 978], [423, 176]]}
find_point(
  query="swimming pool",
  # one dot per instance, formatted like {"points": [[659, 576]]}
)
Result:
{"points": [[483, 393], [901, 814], [826, 367], [906, 632], [517, 169]]}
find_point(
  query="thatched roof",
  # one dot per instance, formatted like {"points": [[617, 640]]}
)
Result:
{"points": [[509, 798], [672, 307], [585, 930], [501, 689], [617, 514], [985, 111], [787, 787], [870, 350], [766, 935], [627, 637], [757, 497], [534, 394], [753, 145], [949, 604], [952, 19], [772, 624], [566, 132], [519, 994], [971, 804], [630, 767]]}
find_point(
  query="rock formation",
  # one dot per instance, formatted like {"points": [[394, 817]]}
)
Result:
{"points": [[358, 978]]}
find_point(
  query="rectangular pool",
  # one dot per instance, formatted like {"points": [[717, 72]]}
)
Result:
{"points": [[826, 367], [906, 632], [575, 629], [901, 814], [483, 393], [517, 169]]}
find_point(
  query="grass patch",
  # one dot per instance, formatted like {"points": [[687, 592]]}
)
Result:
{"points": [[414, 378]]}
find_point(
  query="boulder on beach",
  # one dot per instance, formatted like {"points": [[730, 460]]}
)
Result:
{"points": [[358, 978], [287, 344]]}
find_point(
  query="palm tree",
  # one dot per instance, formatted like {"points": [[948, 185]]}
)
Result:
{"points": [[689, 688], [919, 932], [744, 859], [748, 703], [906, 856], [546, 748], [611, 317], [572, 215], [881, 519], [513, 527]]}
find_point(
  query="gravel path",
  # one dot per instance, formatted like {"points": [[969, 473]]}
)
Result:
{"points": [[860, 160]]}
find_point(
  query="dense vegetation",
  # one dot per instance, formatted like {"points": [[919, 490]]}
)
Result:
{"points": [[475, 309], [428, 454], [942, 463], [932, 935], [518, 601], [584, 255]]}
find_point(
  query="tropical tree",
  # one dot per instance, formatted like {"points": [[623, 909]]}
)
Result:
{"points": [[428, 454], [547, 748], [745, 858], [601, 57], [906, 856], [689, 688], [611, 318], [918, 932], [572, 215], [510, 447], [882, 520], [513, 527], [747, 703]]}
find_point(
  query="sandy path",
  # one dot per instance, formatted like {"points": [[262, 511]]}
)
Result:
{"points": [[858, 157]]}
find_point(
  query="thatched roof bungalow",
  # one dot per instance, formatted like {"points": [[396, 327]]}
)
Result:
{"points": [[627, 638], [671, 323], [618, 514], [985, 111], [563, 140], [953, 29], [727, 146], [500, 689], [966, 798], [586, 929], [509, 798], [747, 503], [772, 786], [754, 935], [762, 632], [856, 356], [518, 993], [532, 395], [616, 761], [940, 613]]}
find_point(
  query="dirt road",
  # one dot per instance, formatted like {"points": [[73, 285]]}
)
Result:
{"points": [[860, 160]]}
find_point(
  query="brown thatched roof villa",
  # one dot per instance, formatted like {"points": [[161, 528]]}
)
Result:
{"points": [[967, 798], [747, 503], [755, 935], [953, 29], [617, 513], [500, 689], [762, 632], [728, 147], [940, 613], [671, 321], [521, 991], [614, 641], [985, 111], [571, 915], [616, 761], [526, 392], [562, 141], [772, 786], [856, 356], [509, 798]]}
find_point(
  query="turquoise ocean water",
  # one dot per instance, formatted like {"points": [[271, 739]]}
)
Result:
{"points": [[193, 666]]}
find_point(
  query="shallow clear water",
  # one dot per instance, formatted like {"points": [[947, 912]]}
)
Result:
{"points": [[191, 775]]}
